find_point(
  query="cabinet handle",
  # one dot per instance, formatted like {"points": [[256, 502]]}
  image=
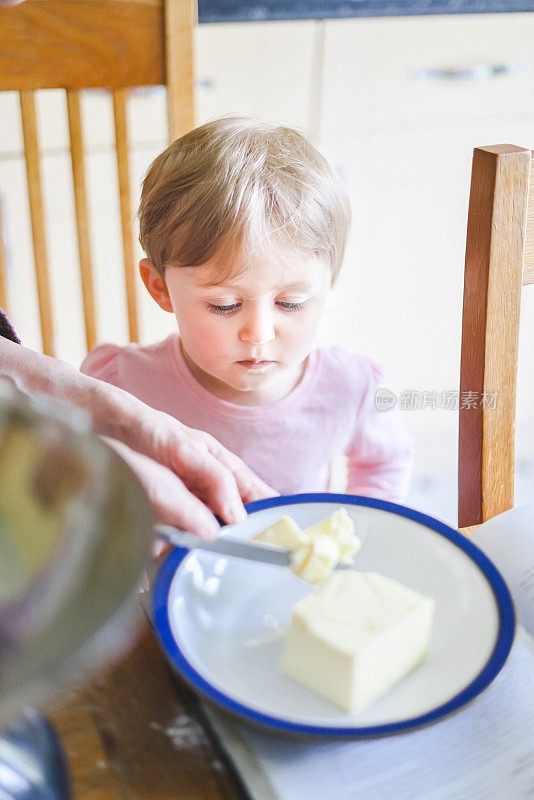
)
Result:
{"points": [[206, 84], [475, 74]]}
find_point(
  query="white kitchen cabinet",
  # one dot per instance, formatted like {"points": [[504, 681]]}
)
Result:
{"points": [[404, 101], [403, 147]]}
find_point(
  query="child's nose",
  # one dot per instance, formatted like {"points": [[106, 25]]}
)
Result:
{"points": [[258, 328]]}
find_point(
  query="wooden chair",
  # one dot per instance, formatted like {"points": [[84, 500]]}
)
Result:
{"points": [[499, 261], [81, 44]]}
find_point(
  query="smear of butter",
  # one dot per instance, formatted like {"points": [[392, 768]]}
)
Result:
{"points": [[284, 533]]}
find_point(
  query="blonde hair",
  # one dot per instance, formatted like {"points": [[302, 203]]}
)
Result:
{"points": [[234, 184]]}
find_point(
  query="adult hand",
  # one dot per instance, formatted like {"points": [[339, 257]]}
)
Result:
{"points": [[171, 501], [215, 475]]}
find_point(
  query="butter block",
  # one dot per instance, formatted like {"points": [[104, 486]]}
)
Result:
{"points": [[283, 533], [357, 635]]}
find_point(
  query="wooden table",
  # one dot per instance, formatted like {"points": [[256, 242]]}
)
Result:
{"points": [[136, 732]]}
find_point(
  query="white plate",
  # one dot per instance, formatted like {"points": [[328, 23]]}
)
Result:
{"points": [[221, 620]]}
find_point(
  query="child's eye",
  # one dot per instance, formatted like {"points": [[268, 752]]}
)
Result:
{"points": [[223, 309], [287, 306]]}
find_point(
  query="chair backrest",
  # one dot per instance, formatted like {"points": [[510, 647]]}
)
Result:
{"points": [[499, 261], [80, 44]]}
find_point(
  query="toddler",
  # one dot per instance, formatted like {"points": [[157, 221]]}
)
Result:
{"points": [[244, 227]]}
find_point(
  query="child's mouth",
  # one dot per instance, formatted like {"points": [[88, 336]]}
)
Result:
{"points": [[251, 363]]}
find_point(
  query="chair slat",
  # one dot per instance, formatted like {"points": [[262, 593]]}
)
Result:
{"points": [[528, 270], [3, 265], [121, 144], [179, 66], [492, 297], [35, 193], [82, 221]]}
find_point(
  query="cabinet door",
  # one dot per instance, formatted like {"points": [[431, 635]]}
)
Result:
{"points": [[394, 72], [267, 70]]}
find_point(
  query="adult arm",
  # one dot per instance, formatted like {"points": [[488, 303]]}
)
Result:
{"points": [[208, 471]]}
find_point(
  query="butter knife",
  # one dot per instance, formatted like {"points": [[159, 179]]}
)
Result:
{"points": [[225, 546], [235, 548]]}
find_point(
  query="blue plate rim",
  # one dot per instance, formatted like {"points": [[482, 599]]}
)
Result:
{"points": [[495, 662]]}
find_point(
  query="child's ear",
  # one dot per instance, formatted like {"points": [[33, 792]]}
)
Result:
{"points": [[155, 284]]}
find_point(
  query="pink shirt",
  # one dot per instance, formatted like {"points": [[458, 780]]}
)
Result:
{"points": [[289, 443]]}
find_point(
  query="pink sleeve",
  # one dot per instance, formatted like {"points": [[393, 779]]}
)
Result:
{"points": [[380, 454], [102, 363]]}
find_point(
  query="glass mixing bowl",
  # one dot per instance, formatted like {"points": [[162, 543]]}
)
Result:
{"points": [[75, 534]]}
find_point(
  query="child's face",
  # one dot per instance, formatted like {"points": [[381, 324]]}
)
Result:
{"points": [[246, 339]]}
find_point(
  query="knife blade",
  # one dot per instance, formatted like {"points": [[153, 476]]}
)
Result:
{"points": [[225, 546]]}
